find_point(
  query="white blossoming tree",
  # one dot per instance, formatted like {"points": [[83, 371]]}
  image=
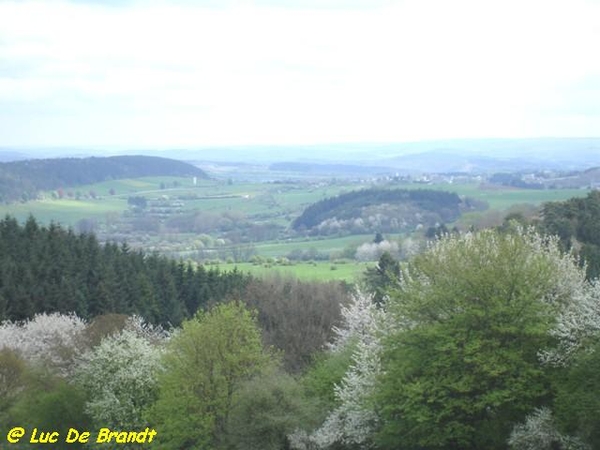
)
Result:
{"points": [[119, 375], [354, 419], [577, 324], [539, 432], [53, 340]]}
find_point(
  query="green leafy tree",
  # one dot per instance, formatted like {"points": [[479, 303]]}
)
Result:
{"points": [[50, 402], [266, 409], [326, 372], [470, 316], [205, 363], [12, 375], [577, 404]]}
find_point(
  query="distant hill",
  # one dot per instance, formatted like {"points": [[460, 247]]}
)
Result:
{"points": [[501, 156], [328, 169], [435, 156], [9, 155], [575, 180], [22, 180], [385, 210]]}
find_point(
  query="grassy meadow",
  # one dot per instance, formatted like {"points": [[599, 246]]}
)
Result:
{"points": [[504, 198], [348, 271], [323, 245]]}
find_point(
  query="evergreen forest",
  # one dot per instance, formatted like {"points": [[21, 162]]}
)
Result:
{"points": [[48, 269]]}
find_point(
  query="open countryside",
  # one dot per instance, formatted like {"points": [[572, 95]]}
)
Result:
{"points": [[218, 206]]}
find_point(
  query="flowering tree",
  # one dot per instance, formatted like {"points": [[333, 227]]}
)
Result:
{"points": [[154, 334], [54, 340], [372, 251], [539, 432], [358, 321], [577, 324], [354, 420], [119, 375]]}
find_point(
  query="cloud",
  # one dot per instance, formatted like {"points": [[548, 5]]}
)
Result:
{"points": [[188, 73]]}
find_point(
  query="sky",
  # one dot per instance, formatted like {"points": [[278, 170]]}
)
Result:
{"points": [[179, 74]]}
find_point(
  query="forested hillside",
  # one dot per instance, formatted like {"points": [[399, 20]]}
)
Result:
{"points": [[51, 269], [22, 180], [387, 210]]}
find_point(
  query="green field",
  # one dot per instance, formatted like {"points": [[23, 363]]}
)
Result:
{"points": [[65, 211], [251, 199], [325, 245], [505, 198], [319, 271], [502, 198]]}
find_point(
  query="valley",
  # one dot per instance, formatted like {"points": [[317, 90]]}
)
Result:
{"points": [[245, 219]]}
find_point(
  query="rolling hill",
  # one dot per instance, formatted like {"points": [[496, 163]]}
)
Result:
{"points": [[385, 210], [22, 180]]}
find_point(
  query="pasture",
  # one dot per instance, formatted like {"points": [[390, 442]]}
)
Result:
{"points": [[348, 271]]}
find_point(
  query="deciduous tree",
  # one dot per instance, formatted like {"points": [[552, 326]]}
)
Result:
{"points": [[470, 316], [204, 366]]}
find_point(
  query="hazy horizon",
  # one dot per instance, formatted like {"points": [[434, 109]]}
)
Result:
{"points": [[433, 156]]}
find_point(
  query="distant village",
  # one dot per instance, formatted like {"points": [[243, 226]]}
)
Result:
{"points": [[547, 179]]}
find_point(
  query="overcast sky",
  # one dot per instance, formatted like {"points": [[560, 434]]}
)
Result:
{"points": [[192, 73]]}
